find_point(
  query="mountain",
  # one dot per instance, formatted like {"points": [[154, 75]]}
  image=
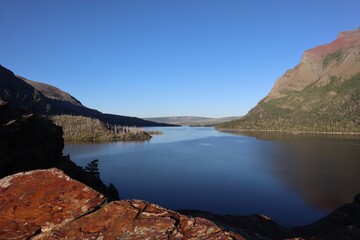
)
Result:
{"points": [[321, 94], [52, 92], [191, 121], [20, 92]]}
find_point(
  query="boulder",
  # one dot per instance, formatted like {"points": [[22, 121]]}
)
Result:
{"points": [[36, 201]]}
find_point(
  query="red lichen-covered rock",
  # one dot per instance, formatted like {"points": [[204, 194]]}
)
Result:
{"points": [[138, 219], [36, 201]]}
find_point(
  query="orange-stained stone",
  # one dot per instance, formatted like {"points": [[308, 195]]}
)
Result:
{"points": [[36, 201], [136, 219]]}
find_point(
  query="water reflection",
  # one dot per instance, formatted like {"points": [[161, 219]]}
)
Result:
{"points": [[323, 168]]}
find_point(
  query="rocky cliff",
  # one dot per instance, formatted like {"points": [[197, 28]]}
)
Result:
{"points": [[321, 94], [340, 58], [62, 208]]}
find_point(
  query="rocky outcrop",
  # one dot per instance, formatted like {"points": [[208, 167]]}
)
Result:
{"points": [[342, 223], [138, 219], [255, 226], [61, 208], [29, 142], [37, 201]]}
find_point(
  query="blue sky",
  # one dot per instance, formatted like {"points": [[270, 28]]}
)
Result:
{"points": [[166, 57]]}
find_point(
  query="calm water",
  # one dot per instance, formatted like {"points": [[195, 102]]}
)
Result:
{"points": [[293, 179]]}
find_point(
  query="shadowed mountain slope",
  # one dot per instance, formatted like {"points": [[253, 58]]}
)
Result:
{"points": [[44, 99]]}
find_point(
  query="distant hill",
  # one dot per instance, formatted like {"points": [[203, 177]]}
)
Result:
{"points": [[191, 121], [322, 93], [45, 99]]}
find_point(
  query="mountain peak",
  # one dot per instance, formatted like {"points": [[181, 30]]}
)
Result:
{"points": [[352, 33]]}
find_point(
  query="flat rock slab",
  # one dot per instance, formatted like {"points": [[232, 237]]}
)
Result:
{"points": [[36, 201], [136, 219]]}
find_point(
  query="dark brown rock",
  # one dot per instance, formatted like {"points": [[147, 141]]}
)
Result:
{"points": [[38, 200], [29, 142], [342, 223], [357, 198], [138, 219], [251, 227]]}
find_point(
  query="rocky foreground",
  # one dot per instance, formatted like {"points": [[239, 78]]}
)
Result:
{"points": [[61, 207], [48, 204]]}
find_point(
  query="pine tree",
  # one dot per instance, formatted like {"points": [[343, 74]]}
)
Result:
{"points": [[93, 167]]}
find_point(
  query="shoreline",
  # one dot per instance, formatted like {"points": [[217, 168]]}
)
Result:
{"points": [[288, 131]]}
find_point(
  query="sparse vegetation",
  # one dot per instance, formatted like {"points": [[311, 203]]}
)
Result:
{"points": [[154, 132], [334, 107], [93, 168], [79, 128], [337, 56]]}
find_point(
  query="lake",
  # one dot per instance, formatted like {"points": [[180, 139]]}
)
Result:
{"points": [[294, 179]]}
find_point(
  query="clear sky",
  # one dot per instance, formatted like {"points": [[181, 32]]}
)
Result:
{"points": [[149, 58]]}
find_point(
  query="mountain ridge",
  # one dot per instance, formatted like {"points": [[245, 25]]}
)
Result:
{"points": [[320, 94], [52, 92], [317, 63], [20, 92]]}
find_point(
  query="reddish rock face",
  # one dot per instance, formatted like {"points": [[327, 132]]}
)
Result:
{"points": [[138, 220], [38, 200], [47, 204], [344, 40], [340, 58]]}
